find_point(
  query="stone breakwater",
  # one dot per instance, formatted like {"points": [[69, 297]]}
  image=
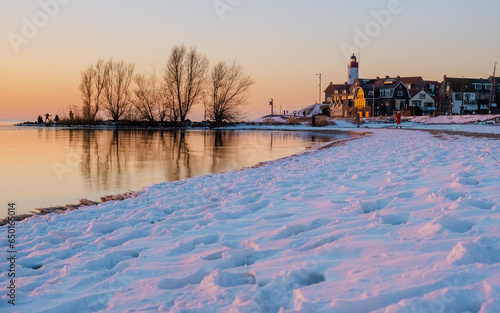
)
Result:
{"points": [[70, 207]]}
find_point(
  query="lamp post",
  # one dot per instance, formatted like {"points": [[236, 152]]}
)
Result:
{"points": [[319, 102], [492, 88], [271, 103], [463, 97]]}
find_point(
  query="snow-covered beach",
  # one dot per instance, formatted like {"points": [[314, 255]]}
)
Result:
{"points": [[396, 221]]}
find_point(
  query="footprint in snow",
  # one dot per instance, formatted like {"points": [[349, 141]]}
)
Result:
{"points": [[485, 250], [179, 283], [227, 279], [479, 203], [185, 247], [293, 230], [395, 219]]}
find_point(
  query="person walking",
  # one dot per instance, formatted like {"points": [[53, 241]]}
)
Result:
{"points": [[398, 119]]}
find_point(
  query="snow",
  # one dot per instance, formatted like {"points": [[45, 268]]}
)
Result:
{"points": [[315, 109], [455, 119], [278, 119], [396, 221]]}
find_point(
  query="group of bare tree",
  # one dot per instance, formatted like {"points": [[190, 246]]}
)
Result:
{"points": [[186, 80]]}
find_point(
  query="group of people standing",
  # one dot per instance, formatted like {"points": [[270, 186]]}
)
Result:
{"points": [[47, 118]]}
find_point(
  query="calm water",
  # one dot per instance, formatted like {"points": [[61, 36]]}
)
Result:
{"points": [[43, 167]]}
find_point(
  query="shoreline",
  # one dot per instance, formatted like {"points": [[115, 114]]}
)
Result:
{"points": [[69, 207], [169, 126], [132, 194]]}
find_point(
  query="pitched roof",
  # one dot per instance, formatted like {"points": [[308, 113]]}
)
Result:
{"points": [[415, 91], [432, 82], [388, 83], [467, 84], [332, 87], [411, 80]]}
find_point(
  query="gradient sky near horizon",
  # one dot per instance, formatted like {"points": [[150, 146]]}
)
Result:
{"points": [[282, 44]]}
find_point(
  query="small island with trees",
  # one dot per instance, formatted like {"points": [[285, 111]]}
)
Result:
{"points": [[113, 89]]}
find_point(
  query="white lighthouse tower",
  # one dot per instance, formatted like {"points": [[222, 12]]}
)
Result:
{"points": [[353, 70]]}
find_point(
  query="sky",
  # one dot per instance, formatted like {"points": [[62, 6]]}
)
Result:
{"points": [[46, 44]]}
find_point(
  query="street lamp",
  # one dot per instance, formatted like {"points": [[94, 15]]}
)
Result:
{"points": [[319, 87]]}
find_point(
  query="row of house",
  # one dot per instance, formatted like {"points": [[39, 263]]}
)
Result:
{"points": [[412, 95], [469, 95]]}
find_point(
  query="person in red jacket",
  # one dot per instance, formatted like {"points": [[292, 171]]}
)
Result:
{"points": [[398, 119]]}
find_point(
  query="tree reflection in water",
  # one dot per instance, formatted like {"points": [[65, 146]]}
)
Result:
{"points": [[121, 160]]}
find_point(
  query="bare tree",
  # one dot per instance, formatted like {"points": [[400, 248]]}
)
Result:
{"points": [[118, 76], [147, 97], [229, 88], [184, 78], [168, 109], [92, 89]]}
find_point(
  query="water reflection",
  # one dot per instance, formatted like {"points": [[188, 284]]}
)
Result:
{"points": [[111, 160], [115, 161]]}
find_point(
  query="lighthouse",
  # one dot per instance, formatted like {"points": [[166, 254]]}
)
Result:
{"points": [[353, 70]]}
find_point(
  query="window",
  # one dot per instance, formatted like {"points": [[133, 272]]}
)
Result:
{"points": [[422, 96], [428, 105], [336, 92], [400, 104], [400, 93], [487, 86], [478, 86], [370, 93], [417, 103], [467, 98], [387, 92], [458, 96], [381, 93]]}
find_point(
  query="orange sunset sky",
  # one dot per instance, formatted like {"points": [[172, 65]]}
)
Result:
{"points": [[283, 44]]}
